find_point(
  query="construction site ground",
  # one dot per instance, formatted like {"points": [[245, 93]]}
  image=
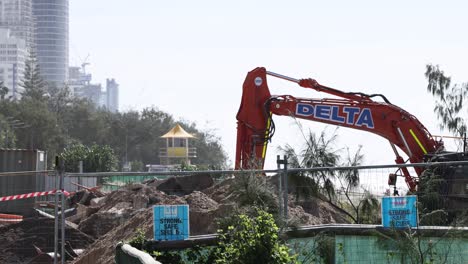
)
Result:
{"points": [[104, 219]]}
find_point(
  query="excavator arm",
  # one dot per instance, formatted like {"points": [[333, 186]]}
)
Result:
{"points": [[255, 126]]}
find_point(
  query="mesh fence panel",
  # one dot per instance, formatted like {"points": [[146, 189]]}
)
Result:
{"points": [[19, 240], [24, 194], [369, 249]]}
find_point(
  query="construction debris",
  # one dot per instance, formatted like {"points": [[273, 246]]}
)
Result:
{"points": [[68, 223], [19, 243], [95, 190]]}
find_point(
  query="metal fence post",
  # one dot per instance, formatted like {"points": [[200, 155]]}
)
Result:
{"points": [[56, 210], [62, 195], [283, 186], [285, 177], [80, 170], [280, 191]]}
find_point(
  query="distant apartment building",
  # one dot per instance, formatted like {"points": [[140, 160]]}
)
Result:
{"points": [[80, 86], [13, 54], [112, 95], [16, 15], [93, 92], [77, 79], [51, 38]]}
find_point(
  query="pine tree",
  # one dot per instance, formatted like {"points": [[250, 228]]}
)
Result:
{"points": [[449, 100], [3, 91], [35, 88]]}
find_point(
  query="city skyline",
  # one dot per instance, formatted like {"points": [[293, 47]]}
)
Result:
{"points": [[43, 26]]}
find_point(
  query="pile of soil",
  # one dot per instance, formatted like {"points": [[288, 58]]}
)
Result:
{"points": [[207, 202]]}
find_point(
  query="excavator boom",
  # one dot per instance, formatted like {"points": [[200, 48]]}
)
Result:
{"points": [[354, 110]]}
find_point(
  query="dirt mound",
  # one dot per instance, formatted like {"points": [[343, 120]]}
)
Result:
{"points": [[119, 206], [18, 240], [116, 217], [184, 185], [324, 212], [103, 250], [100, 223], [219, 191], [203, 213], [201, 202]]}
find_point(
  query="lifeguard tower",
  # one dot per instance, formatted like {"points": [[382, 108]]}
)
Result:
{"points": [[177, 148]]}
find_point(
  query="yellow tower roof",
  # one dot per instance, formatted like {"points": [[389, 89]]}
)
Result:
{"points": [[177, 132]]}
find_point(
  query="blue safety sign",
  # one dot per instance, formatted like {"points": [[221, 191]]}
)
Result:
{"points": [[171, 222], [400, 211]]}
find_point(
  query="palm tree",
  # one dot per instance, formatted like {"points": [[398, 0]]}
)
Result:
{"points": [[318, 152], [300, 183], [367, 206]]}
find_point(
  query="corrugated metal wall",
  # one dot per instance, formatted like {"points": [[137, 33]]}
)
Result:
{"points": [[18, 160], [22, 160]]}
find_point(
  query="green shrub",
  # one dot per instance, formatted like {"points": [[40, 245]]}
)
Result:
{"points": [[251, 240]]}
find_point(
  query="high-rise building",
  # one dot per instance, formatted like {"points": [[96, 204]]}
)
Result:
{"points": [[13, 54], [80, 86], [92, 92], [112, 95], [16, 15], [51, 20], [77, 80]]}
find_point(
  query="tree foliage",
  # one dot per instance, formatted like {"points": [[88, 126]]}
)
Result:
{"points": [[55, 120], [449, 99], [251, 240], [35, 88], [318, 152], [432, 204], [7, 136], [3, 91], [252, 190], [416, 247], [364, 205], [96, 158]]}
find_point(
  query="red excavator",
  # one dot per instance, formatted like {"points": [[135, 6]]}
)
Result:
{"points": [[360, 111]]}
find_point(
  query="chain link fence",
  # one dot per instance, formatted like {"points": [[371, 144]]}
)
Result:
{"points": [[90, 217]]}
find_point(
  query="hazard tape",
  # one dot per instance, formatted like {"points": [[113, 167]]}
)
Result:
{"points": [[8, 221], [30, 195], [9, 218]]}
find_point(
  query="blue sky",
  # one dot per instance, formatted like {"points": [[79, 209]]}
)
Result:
{"points": [[190, 58]]}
